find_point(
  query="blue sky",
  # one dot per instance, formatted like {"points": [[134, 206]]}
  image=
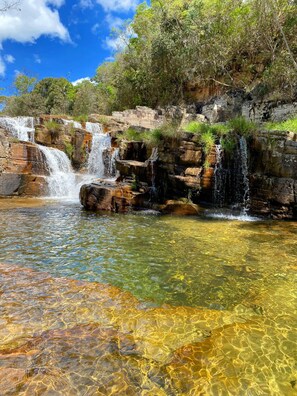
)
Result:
{"points": [[59, 38]]}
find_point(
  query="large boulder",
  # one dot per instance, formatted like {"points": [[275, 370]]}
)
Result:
{"points": [[111, 197]]}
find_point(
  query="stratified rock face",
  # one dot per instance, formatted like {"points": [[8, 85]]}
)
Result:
{"points": [[117, 197], [273, 177], [22, 169]]}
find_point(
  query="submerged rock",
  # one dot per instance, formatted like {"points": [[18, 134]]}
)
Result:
{"points": [[181, 208], [67, 337]]}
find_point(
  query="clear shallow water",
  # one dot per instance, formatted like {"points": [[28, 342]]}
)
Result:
{"points": [[239, 337], [181, 261]]}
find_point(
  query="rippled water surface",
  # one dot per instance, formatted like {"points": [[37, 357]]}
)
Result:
{"points": [[228, 326]]}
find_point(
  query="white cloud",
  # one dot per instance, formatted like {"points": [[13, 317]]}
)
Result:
{"points": [[111, 5], [118, 5], [9, 58], [34, 19], [80, 80], [95, 28], [2, 67], [116, 44], [86, 4], [37, 58], [114, 22]]}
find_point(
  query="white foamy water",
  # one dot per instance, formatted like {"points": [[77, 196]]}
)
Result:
{"points": [[75, 124], [21, 128], [61, 180], [101, 146], [231, 216]]}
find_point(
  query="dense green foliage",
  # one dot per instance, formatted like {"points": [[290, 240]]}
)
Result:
{"points": [[184, 49], [52, 96]]}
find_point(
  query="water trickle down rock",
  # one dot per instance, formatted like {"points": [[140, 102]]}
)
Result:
{"points": [[153, 162], [219, 192]]}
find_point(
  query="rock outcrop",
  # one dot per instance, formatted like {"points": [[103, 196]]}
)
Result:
{"points": [[273, 175], [111, 197], [22, 168]]}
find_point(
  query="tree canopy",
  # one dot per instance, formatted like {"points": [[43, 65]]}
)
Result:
{"points": [[182, 51], [184, 48]]}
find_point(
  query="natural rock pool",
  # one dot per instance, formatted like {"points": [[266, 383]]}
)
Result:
{"points": [[189, 306]]}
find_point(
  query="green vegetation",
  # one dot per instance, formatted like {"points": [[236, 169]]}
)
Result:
{"points": [[208, 141], [155, 137], [69, 149], [289, 125], [184, 48], [83, 118], [54, 129], [200, 128], [241, 126], [131, 135], [228, 143]]}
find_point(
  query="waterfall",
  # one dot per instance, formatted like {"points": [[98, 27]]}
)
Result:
{"points": [[112, 164], [245, 173], [219, 192], [21, 128], [75, 124], [152, 160], [61, 180], [100, 157], [231, 177]]}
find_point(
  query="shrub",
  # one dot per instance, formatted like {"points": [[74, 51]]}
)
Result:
{"points": [[228, 143], [196, 127], [207, 140], [220, 129], [242, 126], [289, 125], [131, 135], [83, 118], [54, 129]]}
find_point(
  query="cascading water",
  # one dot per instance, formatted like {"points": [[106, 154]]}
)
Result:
{"points": [[21, 128], [245, 173], [100, 158], [61, 179], [75, 124], [231, 178]]}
